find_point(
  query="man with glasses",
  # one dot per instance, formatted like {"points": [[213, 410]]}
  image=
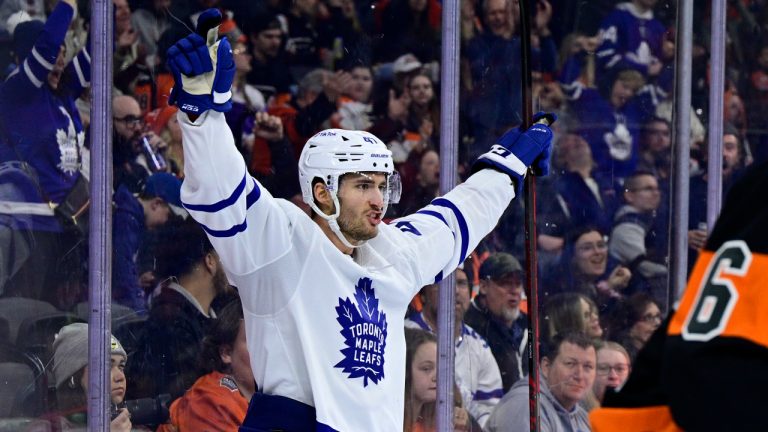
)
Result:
{"points": [[495, 314], [130, 165], [567, 375], [634, 242]]}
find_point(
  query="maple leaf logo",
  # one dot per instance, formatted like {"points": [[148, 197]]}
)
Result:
{"points": [[364, 329]]}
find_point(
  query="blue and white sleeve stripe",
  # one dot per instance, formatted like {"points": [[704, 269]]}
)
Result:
{"points": [[222, 205]]}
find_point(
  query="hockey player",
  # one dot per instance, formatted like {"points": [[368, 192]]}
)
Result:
{"points": [[324, 298], [703, 365]]}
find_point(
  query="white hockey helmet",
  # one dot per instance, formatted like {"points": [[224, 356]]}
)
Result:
{"points": [[334, 152]]}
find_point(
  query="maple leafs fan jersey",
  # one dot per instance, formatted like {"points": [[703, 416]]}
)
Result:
{"points": [[323, 328]]}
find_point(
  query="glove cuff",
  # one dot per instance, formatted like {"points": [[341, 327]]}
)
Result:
{"points": [[220, 98], [510, 165], [198, 104]]}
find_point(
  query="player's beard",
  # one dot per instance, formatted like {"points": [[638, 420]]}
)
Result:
{"points": [[355, 227]]}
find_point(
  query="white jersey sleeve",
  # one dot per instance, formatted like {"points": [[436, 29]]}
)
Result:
{"points": [[433, 241], [219, 193]]}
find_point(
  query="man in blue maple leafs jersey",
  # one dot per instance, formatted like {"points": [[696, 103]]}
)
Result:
{"points": [[324, 297]]}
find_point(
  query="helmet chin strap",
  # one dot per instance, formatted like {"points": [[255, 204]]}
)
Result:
{"points": [[337, 230], [334, 224]]}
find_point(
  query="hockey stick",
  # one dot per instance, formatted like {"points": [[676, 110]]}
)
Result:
{"points": [[530, 221]]}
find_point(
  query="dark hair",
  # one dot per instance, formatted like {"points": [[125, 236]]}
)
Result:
{"points": [[550, 349], [222, 334], [627, 313], [566, 270], [631, 180], [180, 248]]}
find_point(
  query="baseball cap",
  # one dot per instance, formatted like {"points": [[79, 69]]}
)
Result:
{"points": [[168, 187], [499, 265], [406, 63]]}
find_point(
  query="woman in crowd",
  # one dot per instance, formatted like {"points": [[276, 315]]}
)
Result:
{"points": [[70, 373], [421, 386], [633, 322], [583, 269], [571, 312], [613, 368], [219, 399]]}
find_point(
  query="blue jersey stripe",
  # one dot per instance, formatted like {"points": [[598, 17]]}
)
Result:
{"points": [[435, 214], [227, 232], [226, 202], [324, 428], [463, 228], [493, 394], [250, 199]]}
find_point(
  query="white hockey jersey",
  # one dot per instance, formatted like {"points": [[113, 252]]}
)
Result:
{"points": [[324, 328]]}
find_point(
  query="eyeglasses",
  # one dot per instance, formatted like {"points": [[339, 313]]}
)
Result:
{"points": [[649, 318], [605, 369], [589, 247], [130, 120]]}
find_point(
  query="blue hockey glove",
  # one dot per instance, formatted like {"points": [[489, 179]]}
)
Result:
{"points": [[203, 68], [516, 150]]}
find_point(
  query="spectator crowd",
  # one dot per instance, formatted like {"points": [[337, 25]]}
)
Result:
{"points": [[605, 68]]}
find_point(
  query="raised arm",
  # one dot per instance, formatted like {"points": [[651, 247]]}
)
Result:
{"points": [[236, 212], [436, 239], [35, 65]]}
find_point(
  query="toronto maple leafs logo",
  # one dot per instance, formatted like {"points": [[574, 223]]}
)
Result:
{"points": [[70, 146], [364, 328]]}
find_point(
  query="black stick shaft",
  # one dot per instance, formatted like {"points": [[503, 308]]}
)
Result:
{"points": [[530, 220]]}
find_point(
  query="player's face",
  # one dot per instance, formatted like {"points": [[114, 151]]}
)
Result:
{"points": [[503, 296], [571, 374], [642, 330], [424, 373], [612, 371], [117, 375], [590, 254], [361, 197]]}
